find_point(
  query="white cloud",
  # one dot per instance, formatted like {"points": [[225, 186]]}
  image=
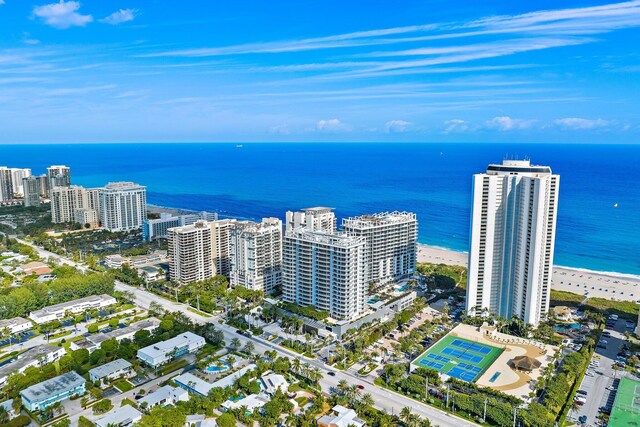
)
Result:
{"points": [[331, 125], [122, 15], [456, 125], [1, 2], [280, 129], [576, 123], [396, 126], [27, 39], [506, 123], [62, 15]]}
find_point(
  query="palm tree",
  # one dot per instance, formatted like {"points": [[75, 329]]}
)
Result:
{"points": [[235, 343], [343, 386], [405, 414], [296, 365], [366, 400], [4, 416]]}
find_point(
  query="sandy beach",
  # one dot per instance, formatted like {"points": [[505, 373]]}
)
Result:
{"points": [[613, 286]]}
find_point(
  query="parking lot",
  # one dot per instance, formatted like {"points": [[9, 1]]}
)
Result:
{"points": [[601, 381]]}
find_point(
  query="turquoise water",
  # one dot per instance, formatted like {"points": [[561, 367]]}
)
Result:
{"points": [[214, 368], [567, 327], [494, 377], [433, 180]]}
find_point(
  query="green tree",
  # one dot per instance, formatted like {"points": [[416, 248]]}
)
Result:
{"points": [[226, 420]]}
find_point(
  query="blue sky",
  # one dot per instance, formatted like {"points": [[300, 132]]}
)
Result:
{"points": [[159, 71]]}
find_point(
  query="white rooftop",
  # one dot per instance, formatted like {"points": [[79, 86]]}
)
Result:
{"points": [[163, 347], [109, 368], [251, 402], [124, 415]]}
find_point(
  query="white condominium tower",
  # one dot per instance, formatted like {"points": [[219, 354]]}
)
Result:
{"points": [[16, 177], [391, 243], [31, 190], [65, 201], [513, 227], [59, 176], [189, 251], [123, 206], [325, 270], [256, 254], [221, 245], [312, 219]]}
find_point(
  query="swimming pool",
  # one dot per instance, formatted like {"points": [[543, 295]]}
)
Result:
{"points": [[494, 377], [215, 368], [567, 327]]}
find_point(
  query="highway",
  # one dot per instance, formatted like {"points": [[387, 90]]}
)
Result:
{"points": [[386, 400]]}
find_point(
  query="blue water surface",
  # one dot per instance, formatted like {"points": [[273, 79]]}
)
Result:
{"points": [[433, 180]]}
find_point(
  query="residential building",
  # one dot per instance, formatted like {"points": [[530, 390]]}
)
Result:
{"points": [[17, 175], [123, 206], [118, 368], [165, 395], [123, 416], [153, 229], [272, 382], [93, 342], [117, 260], [45, 185], [312, 219], [189, 252], [59, 176], [341, 417], [200, 420], [67, 201], [250, 403], [8, 407], [221, 245], [164, 351], [392, 239], [193, 384], [31, 191], [59, 311], [35, 267], [513, 226], [256, 255], [36, 356], [15, 325], [6, 184], [327, 271], [49, 392]]}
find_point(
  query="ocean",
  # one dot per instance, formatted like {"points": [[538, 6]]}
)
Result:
{"points": [[431, 179]]}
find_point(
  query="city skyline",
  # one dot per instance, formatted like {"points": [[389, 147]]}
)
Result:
{"points": [[293, 72]]}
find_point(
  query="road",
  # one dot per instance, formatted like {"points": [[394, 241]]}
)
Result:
{"points": [[388, 401]]}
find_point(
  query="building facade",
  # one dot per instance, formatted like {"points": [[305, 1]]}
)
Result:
{"points": [[123, 206], [189, 252], [59, 311], [153, 229], [118, 368], [164, 351], [67, 201], [17, 175], [327, 271], [221, 245], [513, 226], [392, 239], [42, 395], [312, 219], [59, 176], [6, 184], [31, 191], [256, 255]]}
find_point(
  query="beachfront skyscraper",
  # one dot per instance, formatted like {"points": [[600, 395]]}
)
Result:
{"points": [[513, 226], [312, 219], [325, 270], [6, 185], [31, 190], [16, 178], [221, 245], [189, 251], [59, 176], [391, 243], [256, 255], [65, 201], [123, 206]]}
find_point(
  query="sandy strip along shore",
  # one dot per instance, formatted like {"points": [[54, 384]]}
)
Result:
{"points": [[589, 283]]}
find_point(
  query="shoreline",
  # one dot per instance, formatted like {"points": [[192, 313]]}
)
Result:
{"points": [[582, 281]]}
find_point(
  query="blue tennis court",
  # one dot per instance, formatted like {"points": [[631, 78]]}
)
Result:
{"points": [[459, 358]]}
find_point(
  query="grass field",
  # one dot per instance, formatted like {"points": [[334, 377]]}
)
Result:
{"points": [[458, 358], [626, 407]]}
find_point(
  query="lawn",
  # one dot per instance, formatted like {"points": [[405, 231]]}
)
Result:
{"points": [[459, 358], [568, 299], [123, 385], [624, 309]]}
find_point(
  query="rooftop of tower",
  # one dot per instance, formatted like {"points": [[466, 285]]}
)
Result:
{"points": [[516, 166]]}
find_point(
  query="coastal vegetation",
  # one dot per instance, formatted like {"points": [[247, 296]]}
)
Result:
{"points": [[624, 309], [442, 276]]}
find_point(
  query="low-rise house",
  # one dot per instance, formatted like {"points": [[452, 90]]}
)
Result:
{"points": [[251, 402], [15, 325], [35, 267], [8, 407], [119, 368], [47, 393], [164, 351], [124, 416], [193, 384], [199, 420], [93, 342], [59, 311], [35, 356], [152, 274], [341, 417], [273, 382], [166, 395], [117, 261]]}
